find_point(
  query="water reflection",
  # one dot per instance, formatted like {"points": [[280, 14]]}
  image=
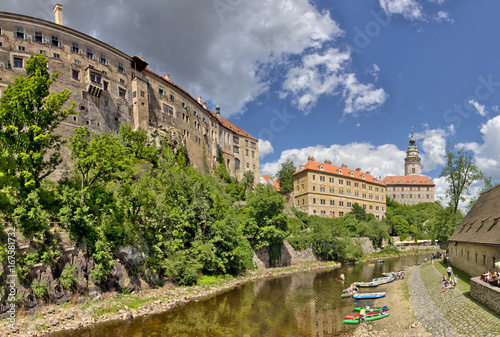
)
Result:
{"points": [[305, 304]]}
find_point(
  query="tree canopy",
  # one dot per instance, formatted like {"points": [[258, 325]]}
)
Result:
{"points": [[285, 177]]}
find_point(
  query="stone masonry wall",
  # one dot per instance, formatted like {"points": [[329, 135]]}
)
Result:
{"points": [[485, 293]]}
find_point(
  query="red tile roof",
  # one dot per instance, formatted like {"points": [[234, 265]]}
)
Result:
{"points": [[266, 176], [408, 180], [276, 185], [346, 172]]}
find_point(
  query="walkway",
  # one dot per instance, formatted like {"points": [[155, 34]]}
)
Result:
{"points": [[447, 313]]}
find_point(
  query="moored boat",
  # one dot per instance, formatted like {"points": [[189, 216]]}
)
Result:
{"points": [[348, 294], [360, 296], [368, 318], [382, 280], [365, 284], [374, 308], [375, 313]]}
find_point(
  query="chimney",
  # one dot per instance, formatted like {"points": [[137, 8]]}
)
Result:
{"points": [[58, 14], [328, 162], [167, 77], [367, 172], [358, 169], [310, 158], [217, 110], [204, 104], [199, 99], [344, 165]]}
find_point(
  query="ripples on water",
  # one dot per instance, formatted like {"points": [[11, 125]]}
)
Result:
{"points": [[303, 304]]}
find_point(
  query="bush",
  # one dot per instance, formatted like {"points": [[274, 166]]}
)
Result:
{"points": [[187, 276], [300, 242], [68, 276], [40, 289]]}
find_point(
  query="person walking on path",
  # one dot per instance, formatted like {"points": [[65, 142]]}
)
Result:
{"points": [[449, 270]]}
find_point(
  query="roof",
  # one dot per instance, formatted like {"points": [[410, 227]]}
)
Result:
{"points": [[480, 225], [266, 176], [408, 180], [339, 171], [276, 184]]}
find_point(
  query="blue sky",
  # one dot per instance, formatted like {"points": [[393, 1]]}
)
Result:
{"points": [[340, 79]]}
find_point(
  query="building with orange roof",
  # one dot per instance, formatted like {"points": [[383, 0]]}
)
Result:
{"points": [[327, 190], [412, 188], [111, 88]]}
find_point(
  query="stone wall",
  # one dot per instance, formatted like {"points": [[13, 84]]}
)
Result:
{"points": [[485, 293], [290, 256]]}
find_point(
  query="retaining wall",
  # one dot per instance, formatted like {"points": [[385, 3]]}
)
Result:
{"points": [[485, 293]]}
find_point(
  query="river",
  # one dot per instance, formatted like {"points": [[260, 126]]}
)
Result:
{"points": [[302, 304]]}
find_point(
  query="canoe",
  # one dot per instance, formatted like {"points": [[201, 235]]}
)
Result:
{"points": [[365, 284], [380, 261], [382, 280], [348, 294], [391, 274], [360, 296], [368, 318], [374, 309], [374, 313]]}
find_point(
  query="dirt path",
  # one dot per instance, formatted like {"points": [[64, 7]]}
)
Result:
{"points": [[401, 322]]}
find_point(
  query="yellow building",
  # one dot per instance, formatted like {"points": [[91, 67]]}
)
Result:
{"points": [[327, 190]]}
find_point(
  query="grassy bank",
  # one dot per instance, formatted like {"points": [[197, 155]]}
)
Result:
{"points": [[463, 278]]}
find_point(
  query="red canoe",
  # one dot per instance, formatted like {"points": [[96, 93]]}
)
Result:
{"points": [[375, 313]]}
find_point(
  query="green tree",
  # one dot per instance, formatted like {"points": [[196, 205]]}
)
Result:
{"points": [[360, 213], [460, 172], [29, 115], [285, 176]]}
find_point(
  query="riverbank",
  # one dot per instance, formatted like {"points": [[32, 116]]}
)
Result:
{"points": [[114, 306], [402, 321], [79, 313]]}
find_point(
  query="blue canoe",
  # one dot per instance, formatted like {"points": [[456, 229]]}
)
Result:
{"points": [[360, 296]]}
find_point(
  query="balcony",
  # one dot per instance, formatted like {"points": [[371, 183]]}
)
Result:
{"points": [[93, 82]]}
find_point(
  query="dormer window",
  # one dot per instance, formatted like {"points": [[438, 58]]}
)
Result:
{"points": [[340, 171], [386, 181], [351, 174], [321, 167], [363, 176], [400, 181]]}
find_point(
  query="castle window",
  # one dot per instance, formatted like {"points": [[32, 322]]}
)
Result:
{"points": [[95, 78], [172, 96], [105, 85], [18, 62], [142, 93], [122, 81], [122, 92], [84, 94], [161, 91], [252, 145], [74, 48], [90, 53], [341, 213], [236, 140], [56, 55], [236, 164], [19, 33], [168, 109], [120, 68], [102, 59], [21, 48], [253, 154], [76, 74], [341, 203], [236, 149], [332, 202], [38, 37], [54, 41]]}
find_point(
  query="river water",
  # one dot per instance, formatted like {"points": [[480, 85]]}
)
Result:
{"points": [[302, 304]]}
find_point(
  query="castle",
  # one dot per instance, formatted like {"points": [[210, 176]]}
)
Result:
{"points": [[110, 88], [412, 188]]}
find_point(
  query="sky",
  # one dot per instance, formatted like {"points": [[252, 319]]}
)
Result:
{"points": [[336, 79]]}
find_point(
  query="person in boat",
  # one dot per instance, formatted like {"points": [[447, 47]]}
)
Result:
{"points": [[362, 316]]}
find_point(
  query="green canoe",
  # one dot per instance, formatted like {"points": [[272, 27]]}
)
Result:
{"points": [[368, 318], [348, 294], [374, 309]]}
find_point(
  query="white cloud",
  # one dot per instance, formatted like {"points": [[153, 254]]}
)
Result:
{"points": [[409, 9], [265, 148], [443, 16], [433, 145], [379, 160], [481, 110], [325, 74], [488, 153]]}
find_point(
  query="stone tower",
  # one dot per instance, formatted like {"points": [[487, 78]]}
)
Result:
{"points": [[412, 160]]}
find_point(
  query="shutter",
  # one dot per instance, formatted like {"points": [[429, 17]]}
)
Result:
{"points": [[94, 57], [32, 37], [60, 45], [80, 51], [44, 40], [25, 36], [107, 62]]}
